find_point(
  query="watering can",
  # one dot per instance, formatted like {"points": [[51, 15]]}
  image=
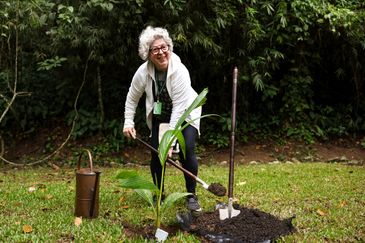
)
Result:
{"points": [[87, 190]]}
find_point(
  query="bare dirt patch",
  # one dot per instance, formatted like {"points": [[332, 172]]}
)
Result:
{"points": [[340, 150], [47, 140]]}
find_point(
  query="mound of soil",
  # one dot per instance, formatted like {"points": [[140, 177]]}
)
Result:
{"points": [[251, 225]]}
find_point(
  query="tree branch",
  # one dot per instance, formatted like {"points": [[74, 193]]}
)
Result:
{"points": [[70, 133]]}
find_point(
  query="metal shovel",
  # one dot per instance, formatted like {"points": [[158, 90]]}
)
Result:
{"points": [[229, 211], [215, 188]]}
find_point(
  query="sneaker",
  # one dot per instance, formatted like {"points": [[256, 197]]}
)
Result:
{"points": [[192, 204]]}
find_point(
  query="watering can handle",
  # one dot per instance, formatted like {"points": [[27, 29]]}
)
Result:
{"points": [[90, 160]]}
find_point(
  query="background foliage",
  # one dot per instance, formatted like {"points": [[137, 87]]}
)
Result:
{"points": [[300, 64]]}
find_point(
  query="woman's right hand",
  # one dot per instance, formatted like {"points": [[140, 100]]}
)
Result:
{"points": [[130, 132]]}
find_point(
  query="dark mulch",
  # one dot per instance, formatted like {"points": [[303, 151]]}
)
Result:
{"points": [[147, 231], [251, 225]]}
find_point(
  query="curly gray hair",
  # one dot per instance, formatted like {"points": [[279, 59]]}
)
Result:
{"points": [[148, 36]]}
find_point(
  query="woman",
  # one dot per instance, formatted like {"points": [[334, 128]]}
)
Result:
{"points": [[166, 82]]}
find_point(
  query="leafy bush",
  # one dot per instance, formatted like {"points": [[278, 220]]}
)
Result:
{"points": [[220, 137], [298, 62]]}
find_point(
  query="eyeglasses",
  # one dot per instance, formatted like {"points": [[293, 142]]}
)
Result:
{"points": [[156, 50]]}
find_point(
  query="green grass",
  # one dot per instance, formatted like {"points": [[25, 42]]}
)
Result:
{"points": [[327, 199]]}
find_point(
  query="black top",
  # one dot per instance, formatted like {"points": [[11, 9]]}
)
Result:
{"points": [[162, 96]]}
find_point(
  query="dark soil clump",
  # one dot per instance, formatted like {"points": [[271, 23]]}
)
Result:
{"points": [[217, 189], [147, 232], [251, 225]]}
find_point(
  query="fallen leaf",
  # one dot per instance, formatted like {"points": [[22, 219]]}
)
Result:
{"points": [[275, 200], [121, 199], [126, 155], [241, 183], [342, 204], [55, 167], [27, 228], [78, 221], [18, 204], [31, 189], [320, 212], [125, 206]]}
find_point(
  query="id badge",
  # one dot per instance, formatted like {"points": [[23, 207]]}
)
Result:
{"points": [[157, 108]]}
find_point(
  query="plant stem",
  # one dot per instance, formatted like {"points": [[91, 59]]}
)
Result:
{"points": [[159, 214]]}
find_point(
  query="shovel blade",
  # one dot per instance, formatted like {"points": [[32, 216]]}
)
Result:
{"points": [[225, 214]]}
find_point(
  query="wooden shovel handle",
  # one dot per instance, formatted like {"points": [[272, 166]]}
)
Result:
{"points": [[171, 161], [233, 127]]}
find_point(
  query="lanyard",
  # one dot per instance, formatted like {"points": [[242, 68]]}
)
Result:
{"points": [[161, 84]]}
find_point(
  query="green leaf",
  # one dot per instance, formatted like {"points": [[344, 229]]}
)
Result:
{"points": [[169, 137], [199, 101], [166, 142], [172, 198], [146, 195], [126, 174], [181, 140], [164, 147], [130, 179]]}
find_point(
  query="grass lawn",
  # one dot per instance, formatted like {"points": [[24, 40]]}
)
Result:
{"points": [[37, 205]]}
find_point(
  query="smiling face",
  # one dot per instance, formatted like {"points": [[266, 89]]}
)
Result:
{"points": [[160, 54]]}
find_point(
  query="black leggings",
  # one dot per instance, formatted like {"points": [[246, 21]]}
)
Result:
{"points": [[190, 163]]}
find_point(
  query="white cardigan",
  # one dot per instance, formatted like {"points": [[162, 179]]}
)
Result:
{"points": [[178, 86]]}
